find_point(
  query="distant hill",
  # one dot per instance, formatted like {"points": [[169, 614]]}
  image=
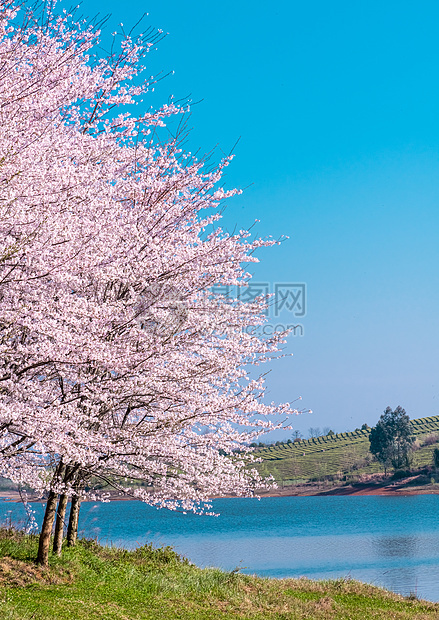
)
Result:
{"points": [[341, 455]]}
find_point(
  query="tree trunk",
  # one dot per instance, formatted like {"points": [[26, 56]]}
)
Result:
{"points": [[59, 526], [72, 530], [46, 530]]}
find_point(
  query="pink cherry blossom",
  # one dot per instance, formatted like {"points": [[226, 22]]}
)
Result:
{"points": [[118, 360]]}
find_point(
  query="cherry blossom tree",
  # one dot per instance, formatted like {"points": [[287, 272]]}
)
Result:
{"points": [[118, 361]]}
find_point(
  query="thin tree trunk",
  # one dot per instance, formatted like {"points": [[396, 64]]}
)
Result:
{"points": [[46, 530], [72, 530], [59, 526]]}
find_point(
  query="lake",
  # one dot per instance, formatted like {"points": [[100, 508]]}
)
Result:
{"points": [[388, 541]]}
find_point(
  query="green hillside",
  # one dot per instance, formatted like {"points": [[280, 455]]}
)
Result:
{"points": [[341, 455]]}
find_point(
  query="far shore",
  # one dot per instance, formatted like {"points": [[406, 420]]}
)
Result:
{"points": [[389, 489], [378, 486]]}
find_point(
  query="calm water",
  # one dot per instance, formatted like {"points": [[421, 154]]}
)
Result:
{"points": [[388, 541]]}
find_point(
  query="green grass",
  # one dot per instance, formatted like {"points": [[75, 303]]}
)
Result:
{"points": [[341, 455], [94, 582]]}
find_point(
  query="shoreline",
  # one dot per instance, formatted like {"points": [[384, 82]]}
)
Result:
{"points": [[353, 490], [404, 487]]}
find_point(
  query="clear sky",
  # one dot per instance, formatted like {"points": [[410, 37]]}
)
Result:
{"points": [[336, 108]]}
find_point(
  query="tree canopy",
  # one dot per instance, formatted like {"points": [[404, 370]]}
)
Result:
{"points": [[391, 439], [118, 358]]}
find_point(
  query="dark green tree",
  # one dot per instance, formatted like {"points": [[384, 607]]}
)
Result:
{"points": [[392, 438]]}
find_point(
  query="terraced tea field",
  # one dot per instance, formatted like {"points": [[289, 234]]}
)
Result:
{"points": [[340, 455]]}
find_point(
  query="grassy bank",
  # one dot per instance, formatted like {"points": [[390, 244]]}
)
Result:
{"points": [[94, 582]]}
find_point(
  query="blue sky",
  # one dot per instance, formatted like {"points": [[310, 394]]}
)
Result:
{"points": [[336, 108]]}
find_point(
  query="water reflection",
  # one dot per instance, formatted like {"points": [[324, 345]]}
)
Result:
{"points": [[401, 579], [395, 546]]}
